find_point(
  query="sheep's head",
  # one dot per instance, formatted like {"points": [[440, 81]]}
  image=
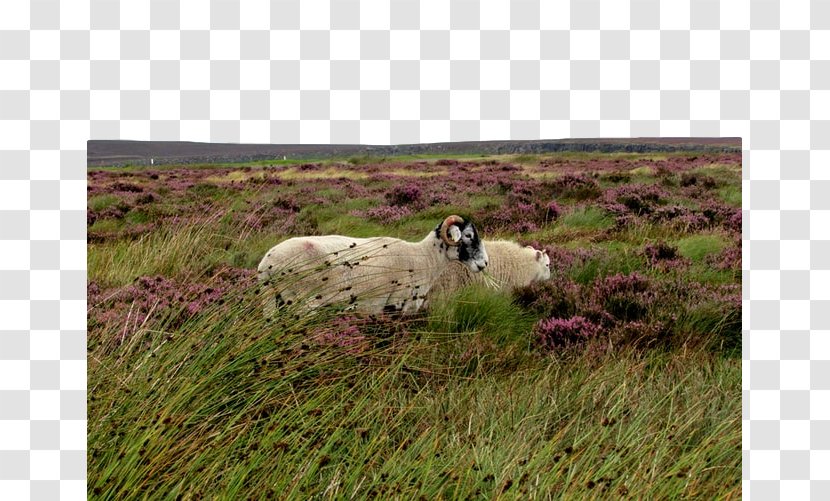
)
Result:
{"points": [[462, 243], [543, 261]]}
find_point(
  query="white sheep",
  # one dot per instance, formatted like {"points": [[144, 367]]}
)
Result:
{"points": [[511, 266], [373, 275]]}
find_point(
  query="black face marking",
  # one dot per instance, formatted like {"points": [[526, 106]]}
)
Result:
{"points": [[469, 250]]}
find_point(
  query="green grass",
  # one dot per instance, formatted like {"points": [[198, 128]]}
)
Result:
{"points": [[614, 259], [137, 216], [698, 247], [586, 218], [101, 202], [218, 411], [731, 194]]}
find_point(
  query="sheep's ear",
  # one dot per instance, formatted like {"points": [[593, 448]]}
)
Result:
{"points": [[455, 233], [538, 255]]}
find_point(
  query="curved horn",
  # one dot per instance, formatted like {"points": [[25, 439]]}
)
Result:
{"points": [[445, 226]]}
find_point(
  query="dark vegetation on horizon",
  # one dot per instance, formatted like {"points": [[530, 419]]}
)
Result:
{"points": [[125, 153]]}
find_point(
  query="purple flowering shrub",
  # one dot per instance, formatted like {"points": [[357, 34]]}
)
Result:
{"points": [[343, 332], [730, 258], [634, 310], [623, 297], [574, 186], [679, 217], [554, 332], [151, 299], [664, 256], [557, 297], [523, 210], [694, 179], [384, 213], [407, 194], [637, 199], [617, 176]]}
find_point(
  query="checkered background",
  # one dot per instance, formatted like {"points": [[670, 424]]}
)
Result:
{"points": [[410, 71]]}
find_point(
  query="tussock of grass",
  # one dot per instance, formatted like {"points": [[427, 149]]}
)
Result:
{"points": [[586, 218], [731, 194], [101, 202], [698, 247], [621, 259], [481, 309], [172, 252]]}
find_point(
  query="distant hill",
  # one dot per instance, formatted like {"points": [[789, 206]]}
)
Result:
{"points": [[121, 152]]}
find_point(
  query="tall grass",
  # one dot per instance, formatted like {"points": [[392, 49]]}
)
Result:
{"points": [[228, 405]]}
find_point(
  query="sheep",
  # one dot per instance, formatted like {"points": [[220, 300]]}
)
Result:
{"points": [[373, 275], [511, 266]]}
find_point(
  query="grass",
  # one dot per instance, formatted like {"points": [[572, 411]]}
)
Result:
{"points": [[617, 259], [457, 402], [101, 202], [587, 218], [731, 194], [213, 411], [698, 247]]}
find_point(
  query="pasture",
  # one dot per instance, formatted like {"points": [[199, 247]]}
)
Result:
{"points": [[617, 378]]}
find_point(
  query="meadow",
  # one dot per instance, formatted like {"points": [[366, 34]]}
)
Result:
{"points": [[617, 378]]}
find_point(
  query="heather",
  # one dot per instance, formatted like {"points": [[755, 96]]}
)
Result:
{"points": [[616, 378]]}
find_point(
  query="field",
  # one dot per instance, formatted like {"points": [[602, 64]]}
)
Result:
{"points": [[619, 377]]}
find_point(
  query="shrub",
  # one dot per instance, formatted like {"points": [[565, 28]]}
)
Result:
{"points": [[406, 194], [623, 297], [559, 332], [158, 297], [557, 297], [575, 186], [552, 211], [638, 199], [692, 179], [384, 213], [446, 162], [618, 177], [343, 332], [663, 255], [145, 198], [126, 187]]}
